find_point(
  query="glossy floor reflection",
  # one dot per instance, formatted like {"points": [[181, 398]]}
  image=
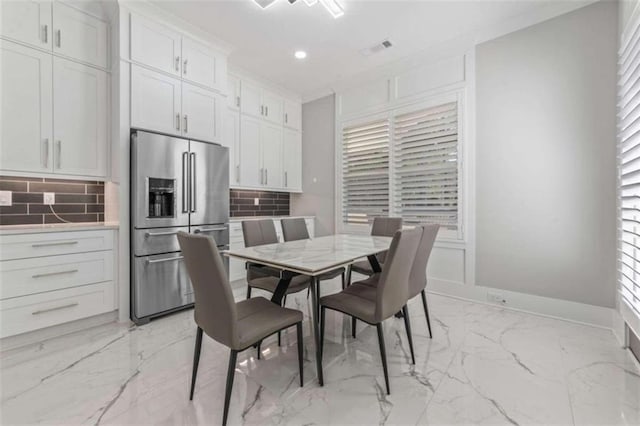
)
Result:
{"points": [[484, 365]]}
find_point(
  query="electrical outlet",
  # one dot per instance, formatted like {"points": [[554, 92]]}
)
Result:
{"points": [[6, 198], [495, 297], [256, 201], [49, 198]]}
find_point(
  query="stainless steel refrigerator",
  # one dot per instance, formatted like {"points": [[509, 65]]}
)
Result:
{"points": [[176, 185]]}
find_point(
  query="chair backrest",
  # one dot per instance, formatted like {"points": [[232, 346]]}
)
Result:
{"points": [[393, 286], [259, 232], [385, 227], [294, 229], [418, 275], [215, 308]]}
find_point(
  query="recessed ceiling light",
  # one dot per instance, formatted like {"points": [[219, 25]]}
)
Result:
{"points": [[300, 54]]}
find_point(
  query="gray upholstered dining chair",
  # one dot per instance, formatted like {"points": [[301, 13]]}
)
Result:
{"points": [[295, 229], [235, 325], [374, 304], [382, 227], [261, 232]]}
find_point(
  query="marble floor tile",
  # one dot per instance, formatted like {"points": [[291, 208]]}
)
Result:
{"points": [[484, 365]]}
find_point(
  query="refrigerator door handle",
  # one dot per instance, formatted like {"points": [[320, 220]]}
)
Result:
{"points": [[185, 173], [192, 183]]}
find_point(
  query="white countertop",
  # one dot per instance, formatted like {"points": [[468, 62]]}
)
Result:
{"points": [[56, 227], [243, 218]]}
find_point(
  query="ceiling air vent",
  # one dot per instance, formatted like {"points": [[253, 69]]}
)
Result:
{"points": [[379, 47]]}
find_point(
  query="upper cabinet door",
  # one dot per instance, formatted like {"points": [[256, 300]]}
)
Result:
{"points": [[251, 100], [80, 36], [273, 107], [155, 45], [292, 115], [155, 101], [231, 139], [79, 119], [201, 113], [27, 21], [25, 114], [233, 92], [292, 160], [271, 141], [202, 65], [251, 169]]}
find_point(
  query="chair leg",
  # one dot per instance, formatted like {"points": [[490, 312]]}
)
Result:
{"points": [[407, 326], [284, 302], [196, 361], [323, 312], [348, 283], [258, 348], [383, 355], [248, 292], [344, 283], [233, 356], [426, 312], [279, 339], [353, 327], [300, 345]]}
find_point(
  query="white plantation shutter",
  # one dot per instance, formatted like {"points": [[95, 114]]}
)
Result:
{"points": [[629, 168], [365, 171], [426, 166]]}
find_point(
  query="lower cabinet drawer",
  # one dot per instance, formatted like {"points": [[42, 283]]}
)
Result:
{"points": [[30, 276], [22, 246], [22, 314]]}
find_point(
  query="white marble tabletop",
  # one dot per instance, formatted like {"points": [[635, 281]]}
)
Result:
{"points": [[314, 256]]}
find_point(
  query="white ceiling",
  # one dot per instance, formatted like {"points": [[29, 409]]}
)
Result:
{"points": [[264, 40]]}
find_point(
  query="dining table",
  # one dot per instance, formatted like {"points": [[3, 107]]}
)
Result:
{"points": [[313, 257]]}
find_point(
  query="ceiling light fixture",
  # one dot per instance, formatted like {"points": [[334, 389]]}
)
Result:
{"points": [[335, 7], [300, 54]]}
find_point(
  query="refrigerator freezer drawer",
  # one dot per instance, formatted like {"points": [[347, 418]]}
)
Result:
{"points": [[156, 240], [219, 233]]}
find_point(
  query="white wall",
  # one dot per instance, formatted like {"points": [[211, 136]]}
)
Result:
{"points": [[546, 158], [318, 165]]}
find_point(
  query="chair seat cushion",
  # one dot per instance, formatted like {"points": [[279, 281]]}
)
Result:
{"points": [[298, 283], [259, 318], [358, 300]]}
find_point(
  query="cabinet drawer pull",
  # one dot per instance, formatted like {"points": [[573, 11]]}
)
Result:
{"points": [[286, 180], [57, 308], [149, 261], [221, 228], [184, 67], [237, 173], [45, 34], [58, 243], [160, 234], [186, 123], [59, 33], [59, 143], [266, 110], [177, 63], [286, 118], [261, 109], [178, 121], [48, 274], [46, 152], [238, 101]]}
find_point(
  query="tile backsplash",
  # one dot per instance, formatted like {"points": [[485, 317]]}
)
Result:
{"points": [[269, 203], [75, 200]]}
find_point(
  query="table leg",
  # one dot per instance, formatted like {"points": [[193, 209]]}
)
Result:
{"points": [[281, 289], [375, 265], [314, 322]]}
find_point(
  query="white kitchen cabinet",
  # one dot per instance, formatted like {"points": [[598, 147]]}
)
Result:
{"points": [[251, 173], [155, 45], [79, 119], [233, 92], [292, 115], [231, 140], [79, 35], [201, 113], [27, 21], [271, 147], [26, 109], [155, 101], [292, 160], [251, 100], [273, 106], [203, 65]]}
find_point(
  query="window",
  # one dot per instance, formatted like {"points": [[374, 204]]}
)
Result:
{"points": [[365, 171], [629, 169], [405, 163], [426, 166]]}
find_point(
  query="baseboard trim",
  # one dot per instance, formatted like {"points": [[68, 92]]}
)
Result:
{"points": [[545, 306], [37, 336]]}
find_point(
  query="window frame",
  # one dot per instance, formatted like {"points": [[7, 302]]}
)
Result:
{"points": [[456, 95]]}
